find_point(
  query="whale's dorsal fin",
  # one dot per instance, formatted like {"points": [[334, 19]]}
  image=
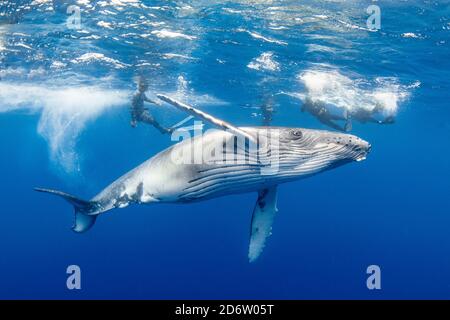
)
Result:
{"points": [[263, 215], [206, 117]]}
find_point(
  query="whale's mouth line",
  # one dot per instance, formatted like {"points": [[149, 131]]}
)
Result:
{"points": [[362, 152]]}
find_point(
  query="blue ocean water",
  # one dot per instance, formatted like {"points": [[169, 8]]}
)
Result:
{"points": [[65, 91]]}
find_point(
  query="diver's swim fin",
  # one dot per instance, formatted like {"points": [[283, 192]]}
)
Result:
{"points": [[84, 219]]}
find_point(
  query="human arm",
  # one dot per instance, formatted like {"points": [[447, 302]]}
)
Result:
{"points": [[147, 99]]}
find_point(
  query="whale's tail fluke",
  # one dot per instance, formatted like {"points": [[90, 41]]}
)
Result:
{"points": [[84, 217]]}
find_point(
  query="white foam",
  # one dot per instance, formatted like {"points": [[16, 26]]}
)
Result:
{"points": [[332, 88], [93, 56], [23, 45], [414, 85], [64, 113], [39, 2], [91, 37], [83, 2], [104, 24], [321, 16], [263, 38], [318, 48], [38, 72], [354, 26], [177, 56], [13, 72], [164, 33], [108, 12], [2, 41], [185, 10], [103, 3], [410, 35], [231, 10], [264, 62], [57, 65], [123, 3]]}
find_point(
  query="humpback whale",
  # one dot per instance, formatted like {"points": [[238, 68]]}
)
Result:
{"points": [[220, 162]]}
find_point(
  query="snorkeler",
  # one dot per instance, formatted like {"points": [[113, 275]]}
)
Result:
{"points": [[267, 110], [325, 116], [364, 115], [141, 114]]}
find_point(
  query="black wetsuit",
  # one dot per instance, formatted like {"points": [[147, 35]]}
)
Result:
{"points": [[142, 114], [267, 112], [325, 116]]}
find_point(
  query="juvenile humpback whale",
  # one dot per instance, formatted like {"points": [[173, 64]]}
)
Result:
{"points": [[266, 157]]}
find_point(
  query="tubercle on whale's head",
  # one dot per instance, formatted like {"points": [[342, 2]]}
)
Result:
{"points": [[318, 150], [351, 147]]}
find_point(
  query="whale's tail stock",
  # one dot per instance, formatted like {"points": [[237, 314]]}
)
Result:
{"points": [[84, 210]]}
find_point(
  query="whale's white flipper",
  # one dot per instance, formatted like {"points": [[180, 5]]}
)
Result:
{"points": [[263, 216], [84, 219], [206, 117]]}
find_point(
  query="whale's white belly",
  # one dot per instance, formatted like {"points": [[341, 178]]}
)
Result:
{"points": [[172, 177], [167, 181]]}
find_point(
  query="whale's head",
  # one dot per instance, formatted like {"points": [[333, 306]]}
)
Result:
{"points": [[309, 151]]}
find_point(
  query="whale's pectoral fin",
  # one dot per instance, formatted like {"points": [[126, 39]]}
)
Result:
{"points": [[263, 215], [207, 117], [84, 219]]}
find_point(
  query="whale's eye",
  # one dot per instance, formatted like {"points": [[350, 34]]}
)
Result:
{"points": [[296, 134]]}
